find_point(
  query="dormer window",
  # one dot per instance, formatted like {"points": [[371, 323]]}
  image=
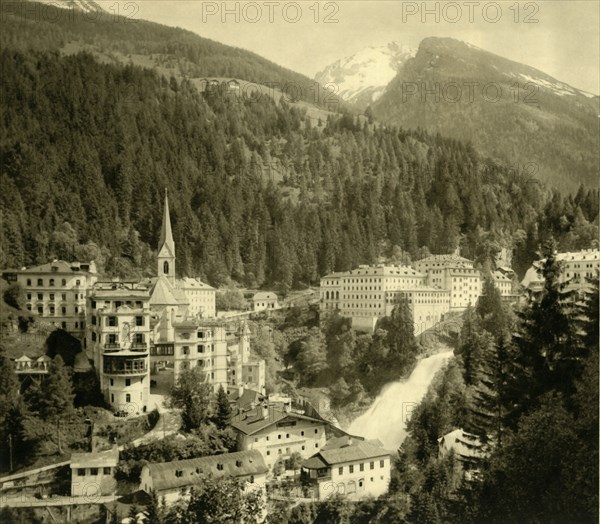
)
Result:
{"points": [[220, 467], [238, 463], [178, 473]]}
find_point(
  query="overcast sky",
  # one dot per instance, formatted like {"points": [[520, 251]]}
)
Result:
{"points": [[561, 38]]}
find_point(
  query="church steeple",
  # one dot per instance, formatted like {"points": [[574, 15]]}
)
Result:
{"points": [[166, 245]]}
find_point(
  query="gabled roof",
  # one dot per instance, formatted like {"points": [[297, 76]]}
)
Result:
{"points": [[253, 421], [162, 294], [239, 464], [346, 449], [98, 459], [265, 295], [62, 267], [192, 283]]}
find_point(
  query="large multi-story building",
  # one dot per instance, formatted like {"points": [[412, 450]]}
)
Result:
{"points": [[57, 292], [577, 268], [118, 337], [278, 431], [454, 274], [369, 293], [152, 330]]}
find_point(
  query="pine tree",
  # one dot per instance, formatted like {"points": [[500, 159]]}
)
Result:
{"points": [[222, 415], [548, 350], [57, 390]]}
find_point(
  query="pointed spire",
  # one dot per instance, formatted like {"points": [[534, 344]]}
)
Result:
{"points": [[166, 234]]}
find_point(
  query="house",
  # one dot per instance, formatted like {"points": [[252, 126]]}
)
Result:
{"points": [[350, 466], [278, 431], [467, 448], [265, 300], [577, 268], [233, 85], [92, 474], [56, 292], [168, 479]]}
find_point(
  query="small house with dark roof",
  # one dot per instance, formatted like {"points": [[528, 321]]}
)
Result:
{"points": [[169, 479], [279, 431], [350, 466]]}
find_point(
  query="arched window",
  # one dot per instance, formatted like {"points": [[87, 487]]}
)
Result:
{"points": [[40, 282], [63, 282], [29, 282], [166, 268], [51, 282]]}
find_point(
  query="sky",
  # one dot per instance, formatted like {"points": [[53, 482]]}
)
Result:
{"points": [[560, 38]]}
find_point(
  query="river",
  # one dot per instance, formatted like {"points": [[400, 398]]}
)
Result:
{"points": [[387, 416]]}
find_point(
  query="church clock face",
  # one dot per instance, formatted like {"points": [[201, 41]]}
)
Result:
{"points": [[125, 332]]}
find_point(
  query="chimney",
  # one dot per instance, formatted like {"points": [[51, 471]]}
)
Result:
{"points": [[349, 441], [265, 410], [240, 390]]}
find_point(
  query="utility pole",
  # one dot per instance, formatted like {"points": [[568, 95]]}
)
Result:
{"points": [[10, 451]]}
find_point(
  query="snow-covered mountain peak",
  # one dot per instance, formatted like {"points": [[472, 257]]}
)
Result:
{"points": [[362, 77], [88, 6]]}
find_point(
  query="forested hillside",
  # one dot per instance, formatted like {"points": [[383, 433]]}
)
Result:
{"points": [[88, 148], [508, 110], [173, 51]]}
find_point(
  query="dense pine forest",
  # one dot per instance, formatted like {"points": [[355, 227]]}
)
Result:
{"points": [[260, 193]]}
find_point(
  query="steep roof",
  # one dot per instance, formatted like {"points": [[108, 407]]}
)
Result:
{"points": [[162, 294], [253, 421], [166, 234], [239, 464], [192, 283], [61, 267], [348, 449], [98, 459], [265, 295]]}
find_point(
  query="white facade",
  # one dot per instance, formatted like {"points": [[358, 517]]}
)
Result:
{"points": [[92, 474], [577, 266], [118, 338], [265, 301], [57, 292], [454, 274], [278, 433], [350, 467], [369, 293]]}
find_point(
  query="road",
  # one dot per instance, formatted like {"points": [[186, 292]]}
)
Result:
{"points": [[386, 418]]}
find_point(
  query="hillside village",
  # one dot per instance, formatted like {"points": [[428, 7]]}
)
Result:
{"points": [[234, 294], [143, 338]]}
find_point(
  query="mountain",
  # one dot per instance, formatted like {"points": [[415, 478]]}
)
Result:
{"points": [[362, 77], [509, 111], [170, 51], [87, 6]]}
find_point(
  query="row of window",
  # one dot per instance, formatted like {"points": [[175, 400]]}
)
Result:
{"points": [[288, 451], [51, 310], [118, 303], [51, 282], [287, 435], [93, 471], [52, 296], [361, 467]]}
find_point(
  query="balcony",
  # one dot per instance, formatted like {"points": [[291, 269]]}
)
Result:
{"points": [[112, 346], [115, 365], [139, 346]]}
